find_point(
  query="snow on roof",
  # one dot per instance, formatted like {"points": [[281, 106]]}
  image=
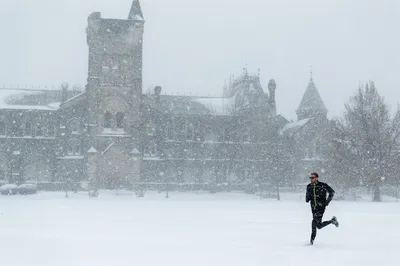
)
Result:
{"points": [[6, 95], [92, 150], [137, 17], [294, 126], [114, 131], [135, 152], [74, 97]]}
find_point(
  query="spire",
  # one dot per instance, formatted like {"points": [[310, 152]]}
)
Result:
{"points": [[136, 11], [311, 103]]}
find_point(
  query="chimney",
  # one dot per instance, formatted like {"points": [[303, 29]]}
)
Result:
{"points": [[64, 92], [157, 93]]}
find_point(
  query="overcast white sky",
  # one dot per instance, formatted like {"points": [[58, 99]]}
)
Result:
{"points": [[193, 46]]}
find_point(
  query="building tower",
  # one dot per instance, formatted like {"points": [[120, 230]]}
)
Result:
{"points": [[311, 105], [114, 89]]}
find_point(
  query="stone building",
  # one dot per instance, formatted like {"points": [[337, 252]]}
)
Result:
{"points": [[307, 139], [29, 130], [111, 134]]}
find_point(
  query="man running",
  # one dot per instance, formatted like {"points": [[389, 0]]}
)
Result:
{"points": [[316, 195]]}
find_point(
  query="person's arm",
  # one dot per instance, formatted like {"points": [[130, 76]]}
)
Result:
{"points": [[331, 193], [308, 198]]}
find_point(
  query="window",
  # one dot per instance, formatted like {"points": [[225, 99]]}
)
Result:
{"points": [[190, 131], [28, 129], [51, 130], [169, 131], [150, 128], [227, 134], [150, 150], [221, 135], [120, 120], [246, 135], [74, 148], [2, 128], [39, 130], [74, 125], [107, 120], [77, 150]]}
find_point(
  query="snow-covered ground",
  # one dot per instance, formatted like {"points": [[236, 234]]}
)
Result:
{"points": [[190, 230]]}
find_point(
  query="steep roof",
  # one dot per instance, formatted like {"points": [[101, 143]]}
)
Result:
{"points": [[293, 127], [136, 11], [311, 101]]}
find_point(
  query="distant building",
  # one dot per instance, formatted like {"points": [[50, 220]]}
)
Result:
{"points": [[30, 134], [307, 139], [113, 135]]}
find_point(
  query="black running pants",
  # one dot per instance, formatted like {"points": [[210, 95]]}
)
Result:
{"points": [[317, 222]]}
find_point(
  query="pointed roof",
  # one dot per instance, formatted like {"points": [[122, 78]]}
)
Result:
{"points": [[136, 11], [311, 101], [135, 152], [92, 150]]}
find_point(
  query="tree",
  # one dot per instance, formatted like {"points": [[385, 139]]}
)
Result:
{"points": [[365, 146]]}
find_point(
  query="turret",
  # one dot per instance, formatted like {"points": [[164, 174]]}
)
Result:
{"points": [[136, 11], [311, 105]]}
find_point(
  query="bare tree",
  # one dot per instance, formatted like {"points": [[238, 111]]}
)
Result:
{"points": [[365, 147]]}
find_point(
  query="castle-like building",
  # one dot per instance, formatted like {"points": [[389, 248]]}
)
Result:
{"points": [[111, 134]]}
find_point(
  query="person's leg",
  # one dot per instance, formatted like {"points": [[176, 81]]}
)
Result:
{"points": [[321, 224], [314, 225], [333, 221]]}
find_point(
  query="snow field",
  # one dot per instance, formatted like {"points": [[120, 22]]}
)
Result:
{"points": [[192, 229]]}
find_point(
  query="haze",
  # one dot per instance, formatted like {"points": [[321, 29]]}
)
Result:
{"points": [[193, 46]]}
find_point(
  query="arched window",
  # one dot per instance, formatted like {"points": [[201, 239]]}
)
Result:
{"points": [[77, 149], [39, 130], [190, 131], [107, 120], [2, 128], [74, 125], [51, 130], [120, 120], [28, 129]]}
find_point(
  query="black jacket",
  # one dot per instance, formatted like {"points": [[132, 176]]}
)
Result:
{"points": [[316, 195]]}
